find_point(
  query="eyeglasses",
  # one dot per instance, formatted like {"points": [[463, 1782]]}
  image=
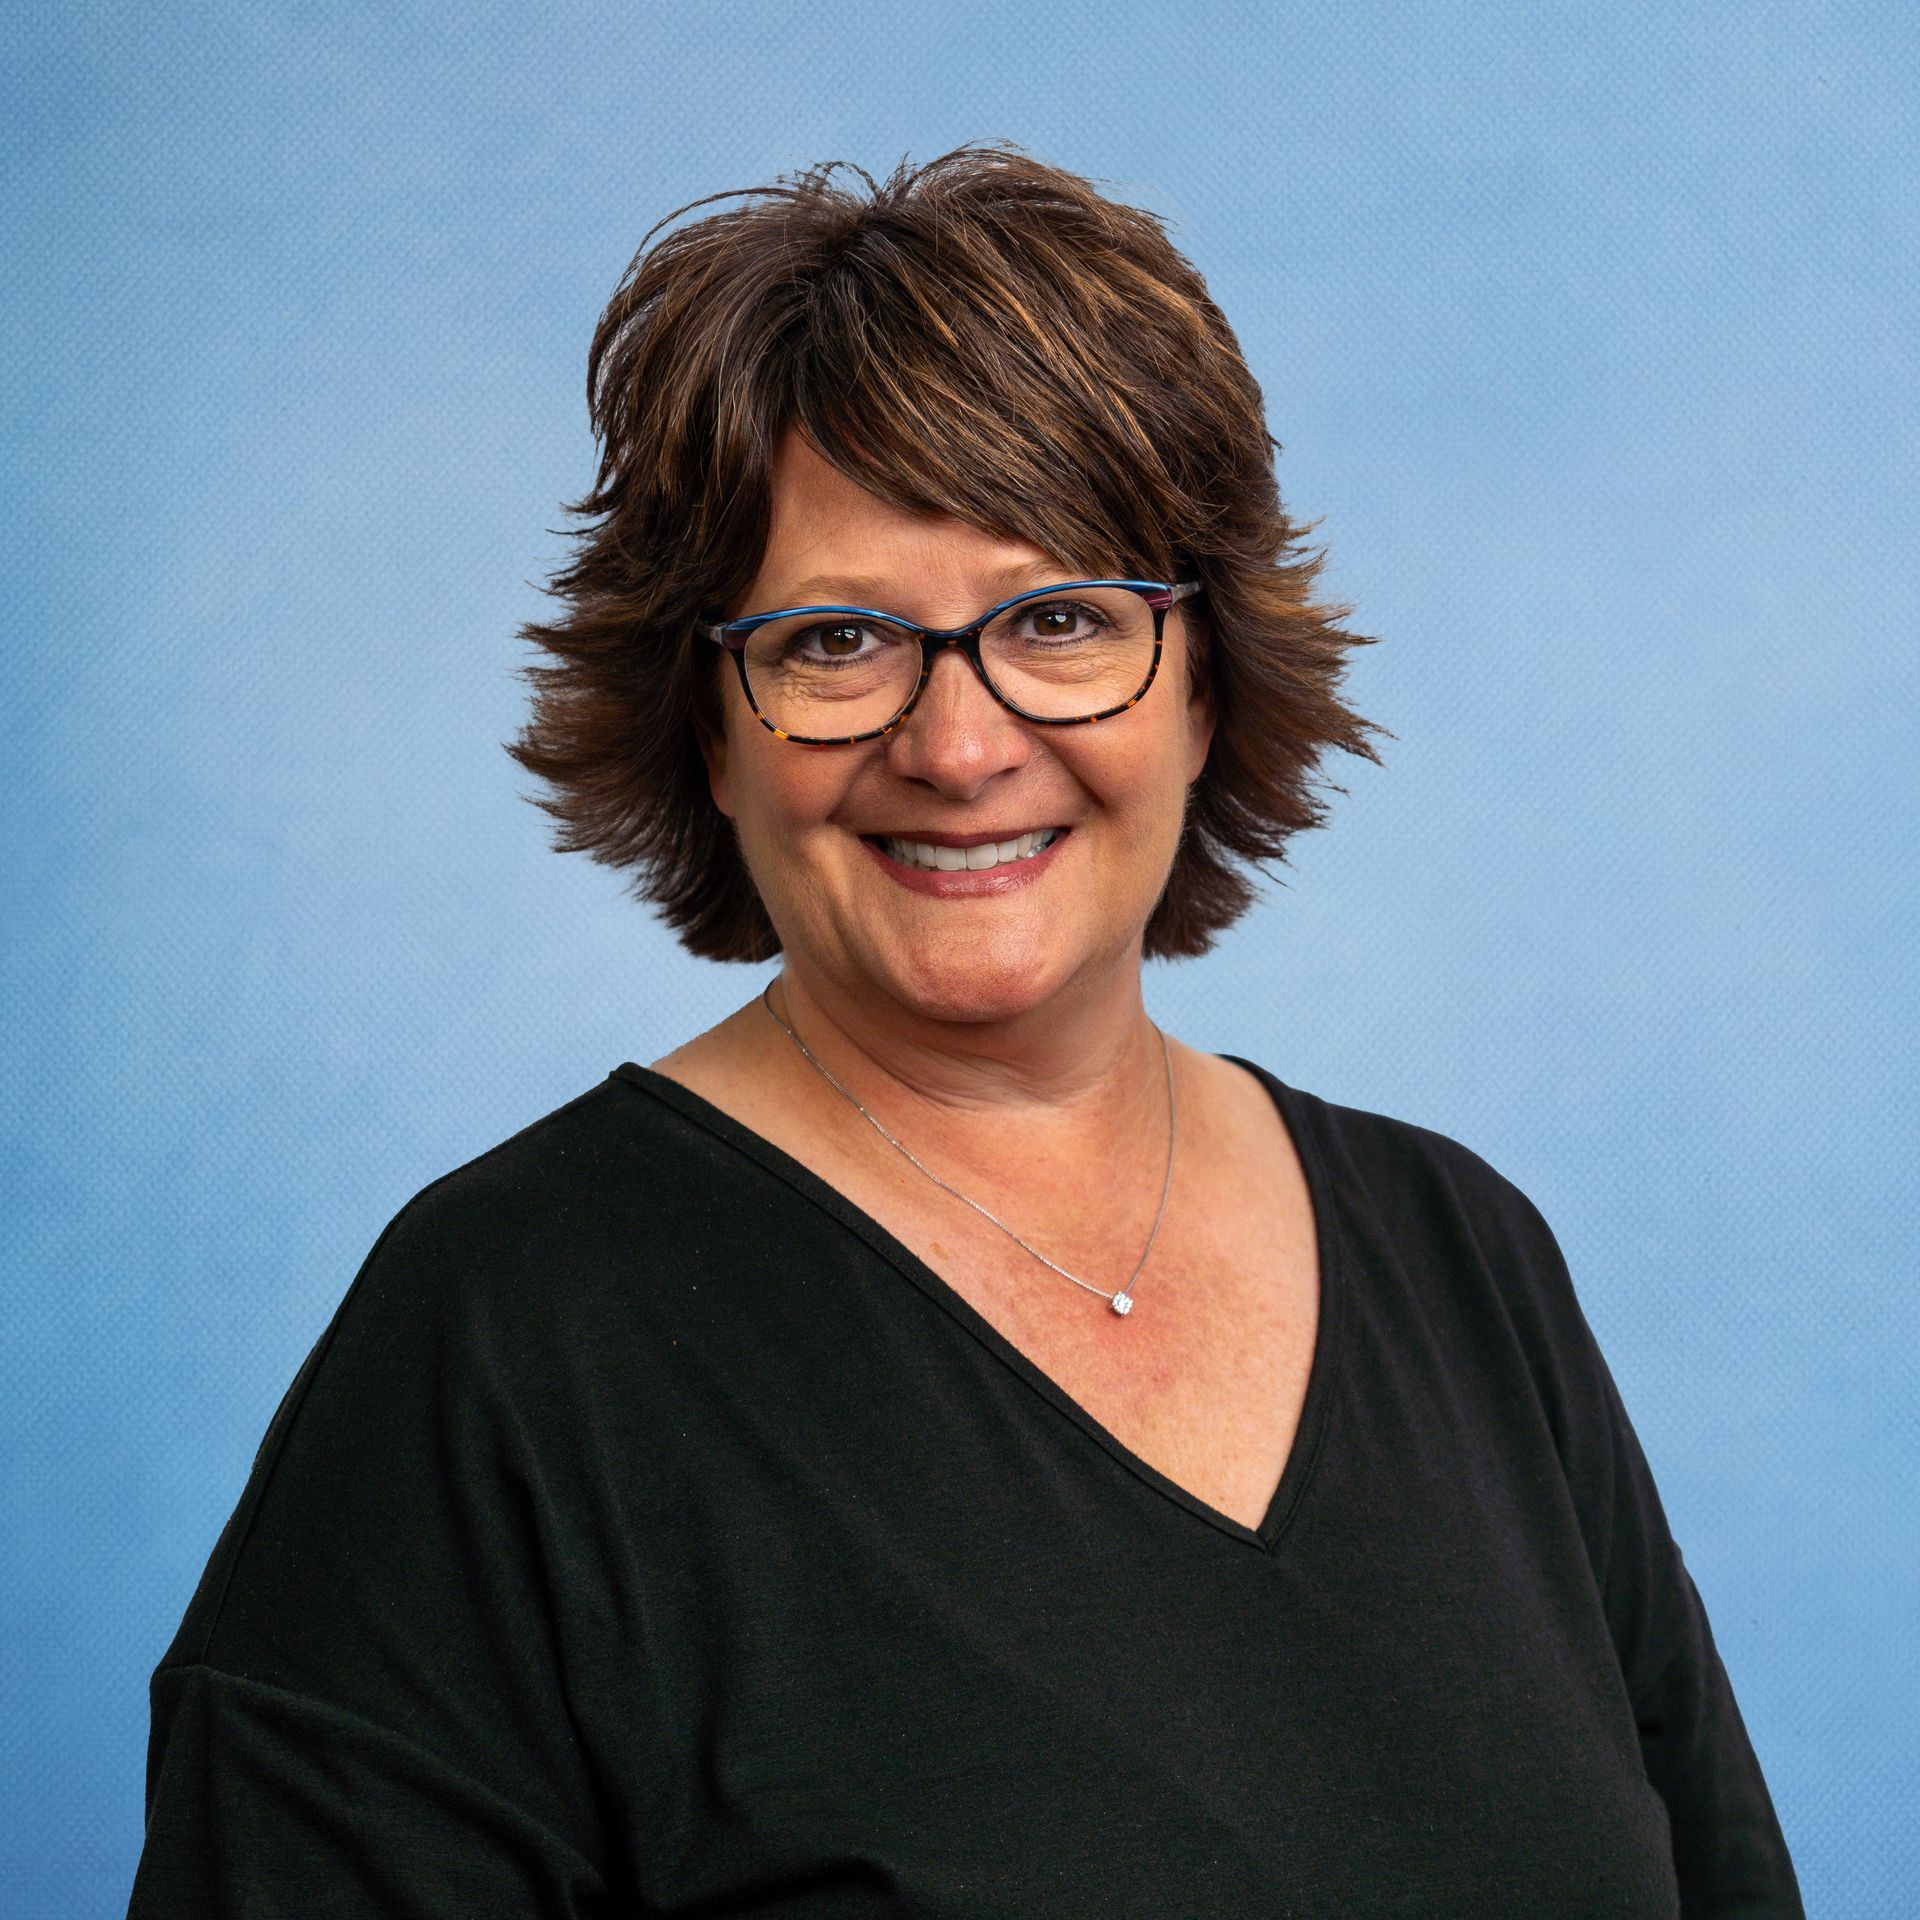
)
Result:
{"points": [[1060, 656]]}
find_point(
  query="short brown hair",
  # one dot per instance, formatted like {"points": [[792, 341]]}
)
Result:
{"points": [[983, 336]]}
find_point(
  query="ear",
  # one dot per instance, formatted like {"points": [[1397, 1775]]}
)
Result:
{"points": [[713, 750], [1200, 724]]}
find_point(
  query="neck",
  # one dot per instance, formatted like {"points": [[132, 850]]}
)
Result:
{"points": [[1077, 1079]]}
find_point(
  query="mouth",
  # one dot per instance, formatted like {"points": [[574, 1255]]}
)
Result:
{"points": [[982, 856]]}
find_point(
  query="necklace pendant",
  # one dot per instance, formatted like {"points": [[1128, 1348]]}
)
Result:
{"points": [[1121, 1303]]}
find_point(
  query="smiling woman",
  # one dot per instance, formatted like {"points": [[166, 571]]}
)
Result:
{"points": [[729, 1495], [994, 352]]}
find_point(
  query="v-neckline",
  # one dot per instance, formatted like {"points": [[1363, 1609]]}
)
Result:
{"points": [[1311, 1429]]}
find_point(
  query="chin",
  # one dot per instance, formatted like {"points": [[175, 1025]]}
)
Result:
{"points": [[977, 986]]}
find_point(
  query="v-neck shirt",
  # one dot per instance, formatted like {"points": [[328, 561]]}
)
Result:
{"points": [[651, 1531]]}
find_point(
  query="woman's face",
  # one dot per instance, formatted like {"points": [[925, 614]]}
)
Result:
{"points": [[981, 945]]}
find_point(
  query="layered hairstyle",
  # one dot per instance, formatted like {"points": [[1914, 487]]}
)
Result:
{"points": [[982, 336]]}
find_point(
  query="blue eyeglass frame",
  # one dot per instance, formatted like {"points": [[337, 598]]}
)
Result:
{"points": [[1158, 594]]}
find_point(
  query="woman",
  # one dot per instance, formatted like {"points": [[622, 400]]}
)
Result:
{"points": [[935, 1444]]}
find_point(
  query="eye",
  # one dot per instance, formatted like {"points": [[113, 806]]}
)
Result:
{"points": [[1061, 621], [835, 640]]}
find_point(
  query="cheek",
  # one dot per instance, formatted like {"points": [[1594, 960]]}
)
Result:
{"points": [[785, 793], [1142, 787]]}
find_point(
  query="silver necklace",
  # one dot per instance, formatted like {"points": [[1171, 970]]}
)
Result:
{"points": [[1120, 1301]]}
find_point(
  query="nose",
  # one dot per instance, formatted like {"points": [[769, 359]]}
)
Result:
{"points": [[958, 736]]}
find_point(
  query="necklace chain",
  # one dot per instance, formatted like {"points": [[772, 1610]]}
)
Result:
{"points": [[1120, 1301]]}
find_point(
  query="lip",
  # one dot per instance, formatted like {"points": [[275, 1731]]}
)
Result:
{"points": [[963, 885], [967, 839]]}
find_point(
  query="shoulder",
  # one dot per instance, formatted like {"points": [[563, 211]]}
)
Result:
{"points": [[503, 1276], [502, 1290], [1426, 1210], [1416, 1174], [601, 1182], [1471, 1240], [1429, 1176]]}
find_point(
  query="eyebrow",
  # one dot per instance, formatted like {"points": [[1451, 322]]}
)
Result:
{"points": [[869, 590]]}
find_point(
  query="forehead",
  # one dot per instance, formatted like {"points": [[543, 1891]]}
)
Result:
{"points": [[824, 527]]}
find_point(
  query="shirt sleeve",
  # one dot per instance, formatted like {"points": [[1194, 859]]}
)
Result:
{"points": [[364, 1711], [264, 1802], [1730, 1856]]}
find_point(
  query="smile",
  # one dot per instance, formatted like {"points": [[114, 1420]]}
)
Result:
{"points": [[980, 859], [984, 872]]}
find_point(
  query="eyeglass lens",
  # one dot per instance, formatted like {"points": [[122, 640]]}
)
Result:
{"points": [[1065, 658]]}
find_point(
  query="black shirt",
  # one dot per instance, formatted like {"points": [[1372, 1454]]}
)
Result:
{"points": [[651, 1532]]}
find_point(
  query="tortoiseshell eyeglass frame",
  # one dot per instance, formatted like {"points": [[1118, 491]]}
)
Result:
{"points": [[1158, 594]]}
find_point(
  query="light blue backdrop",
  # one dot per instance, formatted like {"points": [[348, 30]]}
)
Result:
{"points": [[1590, 334]]}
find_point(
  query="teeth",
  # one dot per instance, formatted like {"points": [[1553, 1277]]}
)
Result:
{"points": [[916, 853]]}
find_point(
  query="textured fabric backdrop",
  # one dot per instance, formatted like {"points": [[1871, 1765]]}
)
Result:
{"points": [[1589, 331]]}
